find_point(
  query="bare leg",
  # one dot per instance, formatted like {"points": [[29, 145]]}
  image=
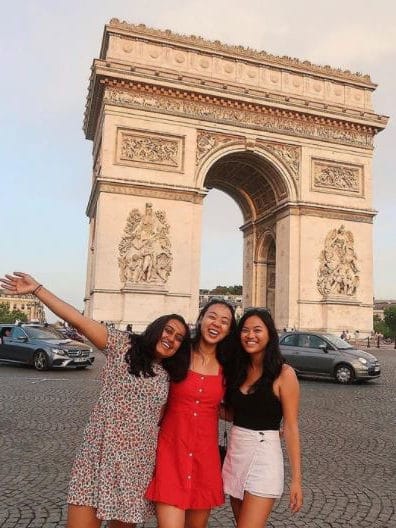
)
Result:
{"points": [[254, 511], [82, 516], [197, 518], [236, 507], [169, 516]]}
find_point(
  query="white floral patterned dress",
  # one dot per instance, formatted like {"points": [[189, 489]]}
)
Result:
{"points": [[115, 462]]}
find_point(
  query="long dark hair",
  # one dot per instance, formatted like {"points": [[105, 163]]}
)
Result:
{"points": [[141, 354], [225, 348], [272, 361]]}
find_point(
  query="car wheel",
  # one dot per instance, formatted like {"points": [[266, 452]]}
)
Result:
{"points": [[40, 360], [344, 374]]}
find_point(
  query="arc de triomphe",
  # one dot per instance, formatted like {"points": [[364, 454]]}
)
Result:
{"points": [[172, 116]]}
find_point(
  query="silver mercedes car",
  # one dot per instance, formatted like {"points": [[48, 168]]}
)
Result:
{"points": [[42, 347]]}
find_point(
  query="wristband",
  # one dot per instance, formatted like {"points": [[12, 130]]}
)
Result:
{"points": [[36, 289]]}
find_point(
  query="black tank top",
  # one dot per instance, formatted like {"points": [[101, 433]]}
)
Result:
{"points": [[260, 410]]}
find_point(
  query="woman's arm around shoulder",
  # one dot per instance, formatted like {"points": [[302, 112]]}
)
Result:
{"points": [[21, 283], [289, 393]]}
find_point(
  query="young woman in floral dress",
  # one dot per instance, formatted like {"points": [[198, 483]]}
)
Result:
{"points": [[116, 458], [187, 480]]}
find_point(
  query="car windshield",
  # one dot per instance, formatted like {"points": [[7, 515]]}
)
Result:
{"points": [[37, 332], [338, 342]]}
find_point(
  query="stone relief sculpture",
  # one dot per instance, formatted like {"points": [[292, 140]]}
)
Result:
{"points": [[145, 249], [338, 272], [336, 177], [149, 150], [207, 142], [260, 118]]}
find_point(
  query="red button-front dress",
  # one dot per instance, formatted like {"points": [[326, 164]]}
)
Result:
{"points": [[188, 471]]}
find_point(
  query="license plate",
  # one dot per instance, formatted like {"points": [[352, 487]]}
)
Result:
{"points": [[80, 360]]}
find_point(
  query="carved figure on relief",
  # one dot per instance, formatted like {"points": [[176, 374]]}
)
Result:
{"points": [[145, 249], [334, 177], [338, 272]]}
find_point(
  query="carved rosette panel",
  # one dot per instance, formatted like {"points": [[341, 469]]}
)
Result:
{"points": [[209, 141], [138, 148], [337, 178], [145, 255], [289, 155], [261, 118], [338, 273]]}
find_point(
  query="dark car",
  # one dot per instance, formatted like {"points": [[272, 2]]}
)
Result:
{"points": [[328, 355], [41, 346]]}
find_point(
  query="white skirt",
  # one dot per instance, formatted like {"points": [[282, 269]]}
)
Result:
{"points": [[254, 463]]}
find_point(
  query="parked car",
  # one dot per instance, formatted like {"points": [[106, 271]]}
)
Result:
{"points": [[328, 355], [41, 346]]}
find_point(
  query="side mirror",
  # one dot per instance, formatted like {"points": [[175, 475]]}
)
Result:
{"points": [[22, 338], [324, 348]]}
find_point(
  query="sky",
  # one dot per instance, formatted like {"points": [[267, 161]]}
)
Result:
{"points": [[48, 48]]}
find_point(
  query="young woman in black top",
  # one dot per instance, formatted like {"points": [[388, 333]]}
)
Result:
{"points": [[262, 392]]}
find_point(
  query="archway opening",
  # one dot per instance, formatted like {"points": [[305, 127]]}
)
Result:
{"points": [[258, 188]]}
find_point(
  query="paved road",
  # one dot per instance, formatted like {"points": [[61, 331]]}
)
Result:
{"points": [[348, 436]]}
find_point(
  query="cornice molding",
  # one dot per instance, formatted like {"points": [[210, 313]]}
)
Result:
{"points": [[238, 112], [197, 42], [146, 189]]}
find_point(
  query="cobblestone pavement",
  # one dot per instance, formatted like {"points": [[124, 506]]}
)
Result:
{"points": [[348, 438]]}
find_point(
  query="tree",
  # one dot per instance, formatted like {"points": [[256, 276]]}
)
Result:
{"points": [[380, 327], [390, 320], [8, 316]]}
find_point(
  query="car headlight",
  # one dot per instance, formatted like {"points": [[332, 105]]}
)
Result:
{"points": [[58, 351], [90, 350], [363, 361]]}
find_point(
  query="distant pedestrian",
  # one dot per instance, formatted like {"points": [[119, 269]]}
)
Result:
{"points": [[128, 328], [343, 335]]}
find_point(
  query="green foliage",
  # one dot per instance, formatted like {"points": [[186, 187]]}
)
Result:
{"points": [[227, 290], [380, 327], [390, 319], [8, 316]]}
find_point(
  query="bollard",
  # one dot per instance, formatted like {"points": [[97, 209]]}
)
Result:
{"points": [[378, 341], [368, 341]]}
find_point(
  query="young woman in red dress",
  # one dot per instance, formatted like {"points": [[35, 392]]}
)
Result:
{"points": [[187, 479]]}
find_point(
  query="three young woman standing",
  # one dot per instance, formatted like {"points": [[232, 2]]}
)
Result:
{"points": [[116, 460]]}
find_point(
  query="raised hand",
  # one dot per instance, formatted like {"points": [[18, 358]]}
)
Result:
{"points": [[19, 283]]}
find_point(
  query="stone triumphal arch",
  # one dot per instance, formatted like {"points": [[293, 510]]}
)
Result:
{"points": [[172, 116]]}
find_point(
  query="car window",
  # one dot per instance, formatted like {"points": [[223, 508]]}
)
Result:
{"points": [[311, 341], [6, 331], [290, 340], [316, 342], [17, 332], [36, 332]]}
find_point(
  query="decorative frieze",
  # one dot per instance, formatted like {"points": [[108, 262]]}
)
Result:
{"points": [[210, 141], [239, 114], [337, 177], [145, 255], [149, 149], [289, 155], [338, 273]]}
